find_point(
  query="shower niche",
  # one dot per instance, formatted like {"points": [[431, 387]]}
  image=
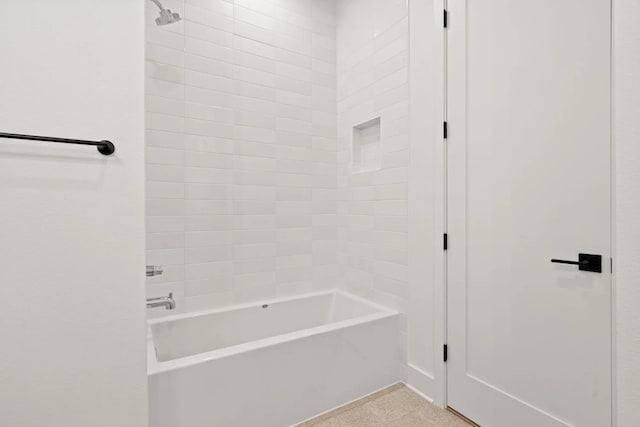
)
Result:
{"points": [[366, 153]]}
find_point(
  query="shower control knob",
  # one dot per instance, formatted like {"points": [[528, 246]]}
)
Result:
{"points": [[154, 270]]}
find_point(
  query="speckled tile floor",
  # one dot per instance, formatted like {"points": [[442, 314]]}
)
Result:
{"points": [[395, 406]]}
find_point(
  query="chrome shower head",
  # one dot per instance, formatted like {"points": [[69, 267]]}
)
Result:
{"points": [[166, 16]]}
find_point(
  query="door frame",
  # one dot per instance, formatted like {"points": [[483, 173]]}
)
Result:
{"points": [[441, 201], [440, 194], [426, 198]]}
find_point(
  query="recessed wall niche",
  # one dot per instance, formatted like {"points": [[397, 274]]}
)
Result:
{"points": [[366, 155]]}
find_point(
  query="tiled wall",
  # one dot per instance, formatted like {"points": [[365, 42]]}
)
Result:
{"points": [[372, 64], [241, 149]]}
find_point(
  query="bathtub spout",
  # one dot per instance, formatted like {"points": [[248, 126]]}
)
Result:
{"points": [[167, 302]]}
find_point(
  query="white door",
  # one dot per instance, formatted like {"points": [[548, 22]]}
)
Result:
{"points": [[529, 171]]}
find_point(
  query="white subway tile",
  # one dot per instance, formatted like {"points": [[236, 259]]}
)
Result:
{"points": [[254, 236], [246, 222], [209, 97], [194, 191], [294, 248], [200, 143], [208, 207], [297, 140], [262, 6], [165, 257], [250, 266], [211, 292], [253, 32], [208, 50], [252, 90], [166, 240], [222, 7], [166, 173], [207, 33], [162, 139], [253, 192], [207, 128], [205, 271], [293, 194], [199, 239], [208, 160], [207, 175], [164, 55], [213, 253], [208, 65], [396, 224], [289, 57], [245, 44], [164, 88], [161, 37], [294, 234], [248, 159], [253, 207], [252, 104], [254, 76], [213, 18], [164, 72], [254, 251], [249, 133], [254, 279], [208, 81], [164, 122], [286, 275], [254, 17], [208, 223], [257, 62], [163, 224], [289, 84], [295, 17], [295, 126], [165, 207], [162, 105], [293, 112], [164, 156], [208, 112], [293, 221]]}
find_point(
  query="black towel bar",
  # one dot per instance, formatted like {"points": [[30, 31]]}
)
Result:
{"points": [[104, 147]]}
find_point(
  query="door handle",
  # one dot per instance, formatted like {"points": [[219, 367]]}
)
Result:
{"points": [[586, 262]]}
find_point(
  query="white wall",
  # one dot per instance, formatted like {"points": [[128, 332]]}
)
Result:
{"points": [[425, 328], [373, 61], [627, 209], [241, 150], [72, 229]]}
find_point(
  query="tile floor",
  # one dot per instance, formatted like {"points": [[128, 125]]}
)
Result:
{"points": [[395, 406]]}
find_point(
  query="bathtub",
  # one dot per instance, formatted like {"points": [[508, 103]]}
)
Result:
{"points": [[269, 364]]}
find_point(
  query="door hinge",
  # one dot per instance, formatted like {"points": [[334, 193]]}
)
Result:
{"points": [[445, 241], [445, 353], [444, 130], [445, 17]]}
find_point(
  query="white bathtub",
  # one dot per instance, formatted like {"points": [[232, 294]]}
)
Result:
{"points": [[274, 363]]}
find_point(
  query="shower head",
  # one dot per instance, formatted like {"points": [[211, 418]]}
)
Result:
{"points": [[166, 16]]}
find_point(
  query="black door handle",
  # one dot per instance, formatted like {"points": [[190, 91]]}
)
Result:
{"points": [[586, 262]]}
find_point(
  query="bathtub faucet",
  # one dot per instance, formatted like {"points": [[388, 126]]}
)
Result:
{"points": [[167, 302]]}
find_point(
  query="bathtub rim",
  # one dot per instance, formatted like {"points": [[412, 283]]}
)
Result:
{"points": [[157, 367]]}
